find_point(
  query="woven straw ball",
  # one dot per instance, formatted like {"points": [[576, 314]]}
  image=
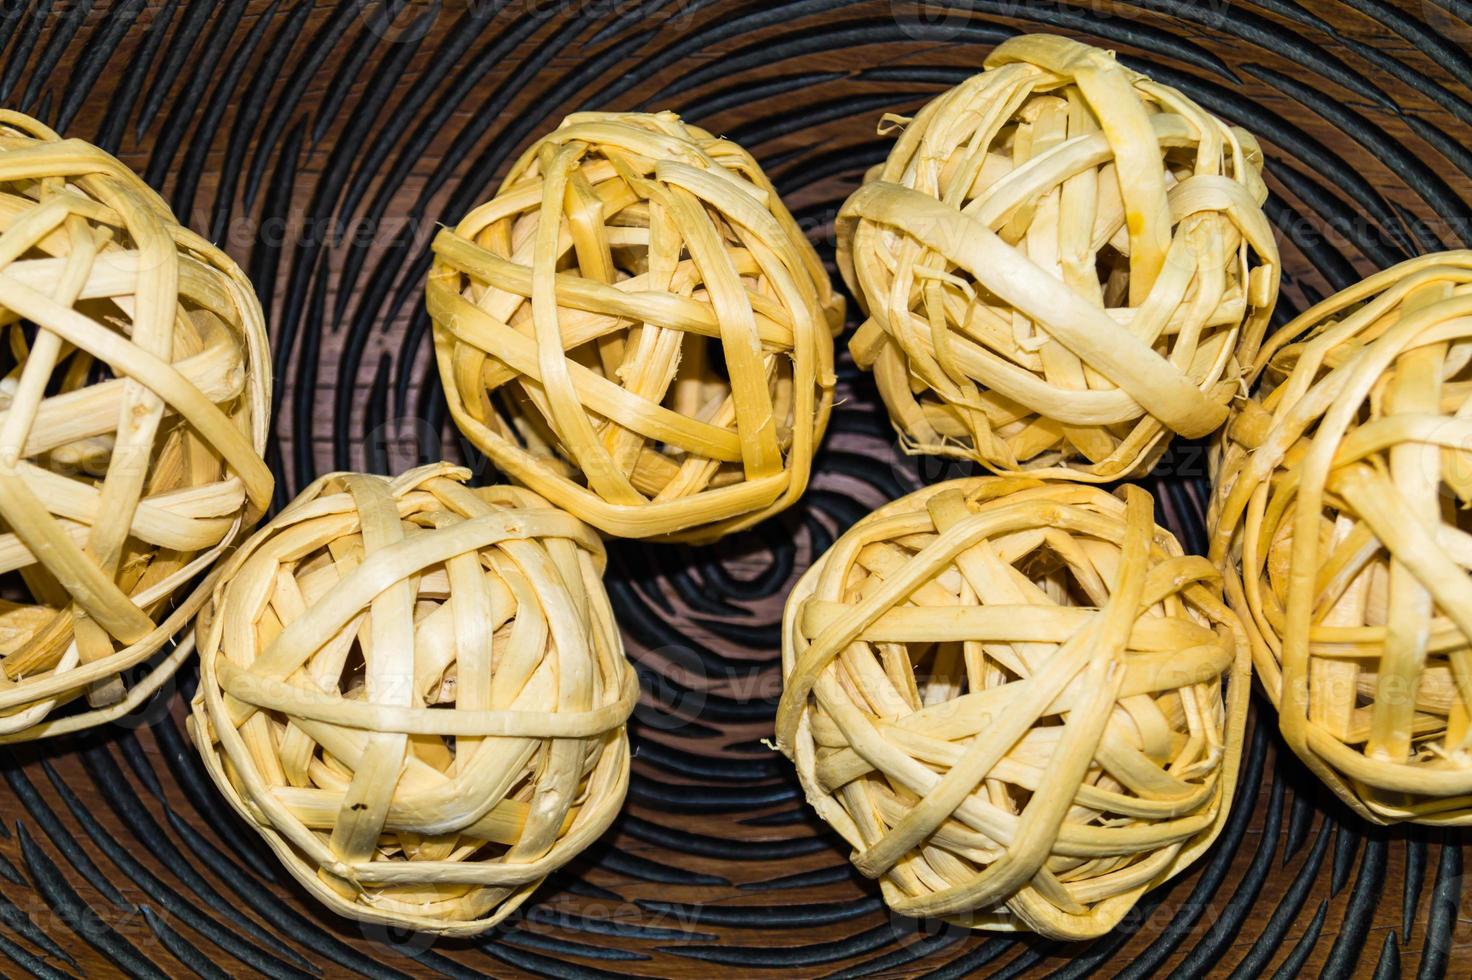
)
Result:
{"points": [[1009, 698], [134, 402], [1062, 262], [1341, 519], [635, 328], [417, 694]]}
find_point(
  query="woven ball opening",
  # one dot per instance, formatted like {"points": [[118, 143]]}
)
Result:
{"points": [[662, 366], [1341, 516], [417, 693], [1022, 704], [1062, 265], [134, 402]]}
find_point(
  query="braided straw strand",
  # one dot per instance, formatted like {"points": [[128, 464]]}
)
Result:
{"points": [[635, 328], [1020, 702], [1340, 521], [416, 692], [134, 407], [1062, 262]]}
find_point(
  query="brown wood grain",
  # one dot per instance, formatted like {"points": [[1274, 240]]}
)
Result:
{"points": [[1363, 110]]}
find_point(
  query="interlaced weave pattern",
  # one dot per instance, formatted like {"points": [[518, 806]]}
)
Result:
{"points": [[1341, 520], [134, 403], [636, 328], [1062, 262], [417, 693], [1009, 698]]}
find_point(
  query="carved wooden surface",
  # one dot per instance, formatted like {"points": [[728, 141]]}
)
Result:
{"points": [[322, 144]]}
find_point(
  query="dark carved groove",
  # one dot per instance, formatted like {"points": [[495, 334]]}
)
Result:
{"points": [[323, 143]]}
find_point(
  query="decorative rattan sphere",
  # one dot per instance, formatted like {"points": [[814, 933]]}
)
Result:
{"points": [[1341, 520], [1009, 698], [416, 692], [1062, 263], [635, 328], [134, 401]]}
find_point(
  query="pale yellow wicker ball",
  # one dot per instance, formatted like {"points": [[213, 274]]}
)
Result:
{"points": [[1020, 703], [416, 692], [134, 403], [1341, 519], [636, 328], [1062, 263]]}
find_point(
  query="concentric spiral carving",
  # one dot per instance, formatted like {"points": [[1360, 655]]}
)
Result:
{"points": [[321, 144]]}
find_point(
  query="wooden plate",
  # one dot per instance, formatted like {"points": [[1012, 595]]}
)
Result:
{"points": [[322, 144]]}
